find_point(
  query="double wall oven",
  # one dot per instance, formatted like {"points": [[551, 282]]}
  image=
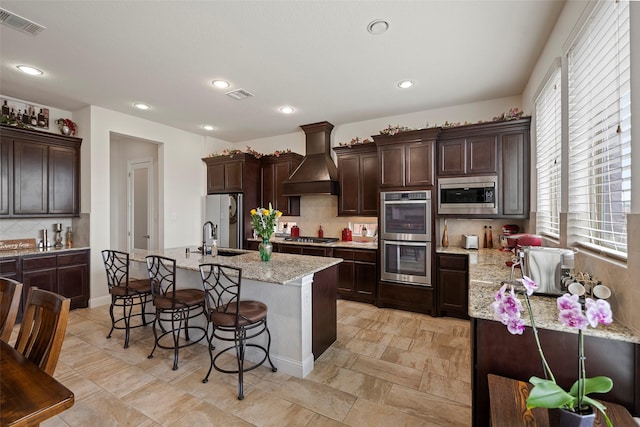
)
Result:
{"points": [[405, 237]]}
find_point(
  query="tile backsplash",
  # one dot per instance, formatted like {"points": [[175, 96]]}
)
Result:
{"points": [[32, 228]]}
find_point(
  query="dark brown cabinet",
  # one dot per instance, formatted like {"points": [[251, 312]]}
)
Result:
{"points": [[65, 273], [417, 298], [406, 159], [357, 274], [452, 284], [39, 174], [358, 180], [273, 172], [225, 176], [304, 250], [495, 148]]}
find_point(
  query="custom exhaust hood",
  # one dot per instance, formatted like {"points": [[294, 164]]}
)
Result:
{"points": [[316, 174]]}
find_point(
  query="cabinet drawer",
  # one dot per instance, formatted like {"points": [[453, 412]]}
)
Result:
{"points": [[367, 256], [73, 258], [343, 253], [40, 262], [8, 266], [454, 262]]}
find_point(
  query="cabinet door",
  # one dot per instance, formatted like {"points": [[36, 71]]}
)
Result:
{"points": [[369, 184], [73, 283], [515, 191], [345, 278], [287, 205], [46, 279], [365, 279], [349, 179], [419, 164], [391, 160], [30, 178], [233, 176], [215, 178], [268, 190], [451, 159], [6, 159], [453, 285], [63, 181], [481, 155]]}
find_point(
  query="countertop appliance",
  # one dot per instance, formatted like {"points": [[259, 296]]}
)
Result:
{"points": [[225, 213], [472, 195], [470, 241], [547, 267], [347, 235]]}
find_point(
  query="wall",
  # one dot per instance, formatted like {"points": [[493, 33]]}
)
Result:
{"points": [[620, 277]]}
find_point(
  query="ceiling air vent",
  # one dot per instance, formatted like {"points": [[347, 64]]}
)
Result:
{"points": [[239, 94], [19, 23]]}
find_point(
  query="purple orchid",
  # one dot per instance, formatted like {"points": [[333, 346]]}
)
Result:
{"points": [[528, 284], [598, 312]]}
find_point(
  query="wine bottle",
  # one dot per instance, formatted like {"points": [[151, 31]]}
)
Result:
{"points": [[5, 108], [490, 238]]}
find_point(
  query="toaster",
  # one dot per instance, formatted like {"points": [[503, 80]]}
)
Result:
{"points": [[470, 241]]}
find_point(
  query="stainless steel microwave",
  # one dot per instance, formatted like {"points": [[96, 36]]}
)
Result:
{"points": [[472, 195]]}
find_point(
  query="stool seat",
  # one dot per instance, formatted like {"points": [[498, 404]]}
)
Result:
{"points": [[250, 312]]}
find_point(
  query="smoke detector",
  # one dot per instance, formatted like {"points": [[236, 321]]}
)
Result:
{"points": [[239, 94], [19, 23]]}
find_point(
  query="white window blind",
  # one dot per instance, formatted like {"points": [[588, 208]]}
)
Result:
{"points": [[548, 156], [600, 130]]}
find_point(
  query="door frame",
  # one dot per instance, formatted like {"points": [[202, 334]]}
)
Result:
{"points": [[142, 163]]}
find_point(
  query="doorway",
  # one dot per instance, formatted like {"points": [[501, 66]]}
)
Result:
{"points": [[139, 204]]}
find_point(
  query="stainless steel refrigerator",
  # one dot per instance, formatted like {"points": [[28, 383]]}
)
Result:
{"points": [[225, 212]]}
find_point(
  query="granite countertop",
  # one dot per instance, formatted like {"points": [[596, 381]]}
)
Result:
{"points": [[37, 251], [487, 270], [355, 244], [281, 269]]}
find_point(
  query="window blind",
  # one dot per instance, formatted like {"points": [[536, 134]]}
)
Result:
{"points": [[600, 130], [548, 156]]}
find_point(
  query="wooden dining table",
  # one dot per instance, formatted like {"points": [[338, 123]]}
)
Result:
{"points": [[509, 407], [28, 395]]}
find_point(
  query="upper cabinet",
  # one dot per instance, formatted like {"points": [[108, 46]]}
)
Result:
{"points": [[39, 173], [495, 148], [358, 180], [406, 159], [273, 172], [231, 174]]}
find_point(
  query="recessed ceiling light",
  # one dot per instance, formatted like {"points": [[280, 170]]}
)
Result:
{"points": [[405, 84], [220, 84], [208, 127], [286, 110], [30, 70], [377, 27], [141, 106]]}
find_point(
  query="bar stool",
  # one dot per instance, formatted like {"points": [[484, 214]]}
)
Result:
{"points": [[233, 319], [173, 306], [126, 293]]}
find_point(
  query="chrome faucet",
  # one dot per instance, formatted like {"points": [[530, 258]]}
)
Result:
{"points": [[204, 235]]}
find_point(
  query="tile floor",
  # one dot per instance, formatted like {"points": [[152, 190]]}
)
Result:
{"points": [[387, 368]]}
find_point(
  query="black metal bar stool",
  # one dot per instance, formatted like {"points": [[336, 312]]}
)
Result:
{"points": [[173, 306], [125, 293], [233, 319]]}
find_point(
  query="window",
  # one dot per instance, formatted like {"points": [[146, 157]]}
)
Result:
{"points": [[548, 156], [600, 130]]}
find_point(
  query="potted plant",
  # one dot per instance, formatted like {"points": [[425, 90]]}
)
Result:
{"points": [[576, 312], [264, 223]]}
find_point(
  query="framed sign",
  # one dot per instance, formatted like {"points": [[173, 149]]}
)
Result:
{"points": [[27, 114]]}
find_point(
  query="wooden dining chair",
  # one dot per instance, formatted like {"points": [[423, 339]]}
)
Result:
{"points": [[10, 293], [43, 327]]}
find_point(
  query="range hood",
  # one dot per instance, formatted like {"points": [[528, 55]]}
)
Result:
{"points": [[316, 174]]}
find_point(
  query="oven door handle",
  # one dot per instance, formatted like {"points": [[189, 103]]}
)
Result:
{"points": [[405, 243]]}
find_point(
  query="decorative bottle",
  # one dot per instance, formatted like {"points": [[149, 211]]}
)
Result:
{"points": [[445, 236], [320, 232], [485, 237], [69, 237], [490, 243]]}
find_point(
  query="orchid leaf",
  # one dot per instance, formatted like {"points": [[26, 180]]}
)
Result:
{"points": [[547, 394], [593, 385], [597, 404]]}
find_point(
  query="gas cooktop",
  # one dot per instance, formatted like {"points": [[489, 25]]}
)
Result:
{"points": [[306, 239]]}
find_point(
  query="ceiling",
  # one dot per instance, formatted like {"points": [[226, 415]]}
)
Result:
{"points": [[316, 56]]}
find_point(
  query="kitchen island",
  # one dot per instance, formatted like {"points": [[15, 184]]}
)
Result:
{"points": [[612, 350], [299, 290]]}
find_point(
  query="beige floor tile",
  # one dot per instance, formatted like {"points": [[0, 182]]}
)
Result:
{"points": [[319, 398], [206, 414], [103, 409], [388, 371], [365, 348], [356, 383], [432, 408], [161, 402], [337, 356], [81, 386], [450, 388], [268, 410], [368, 414], [410, 359], [322, 421]]}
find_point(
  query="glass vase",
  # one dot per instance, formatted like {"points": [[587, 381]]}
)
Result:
{"points": [[265, 249]]}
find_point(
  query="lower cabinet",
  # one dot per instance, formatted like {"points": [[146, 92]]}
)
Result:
{"points": [[452, 285], [303, 250], [406, 297], [65, 273], [357, 274]]}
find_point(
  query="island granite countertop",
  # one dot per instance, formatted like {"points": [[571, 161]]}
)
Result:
{"points": [[281, 269], [487, 271]]}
